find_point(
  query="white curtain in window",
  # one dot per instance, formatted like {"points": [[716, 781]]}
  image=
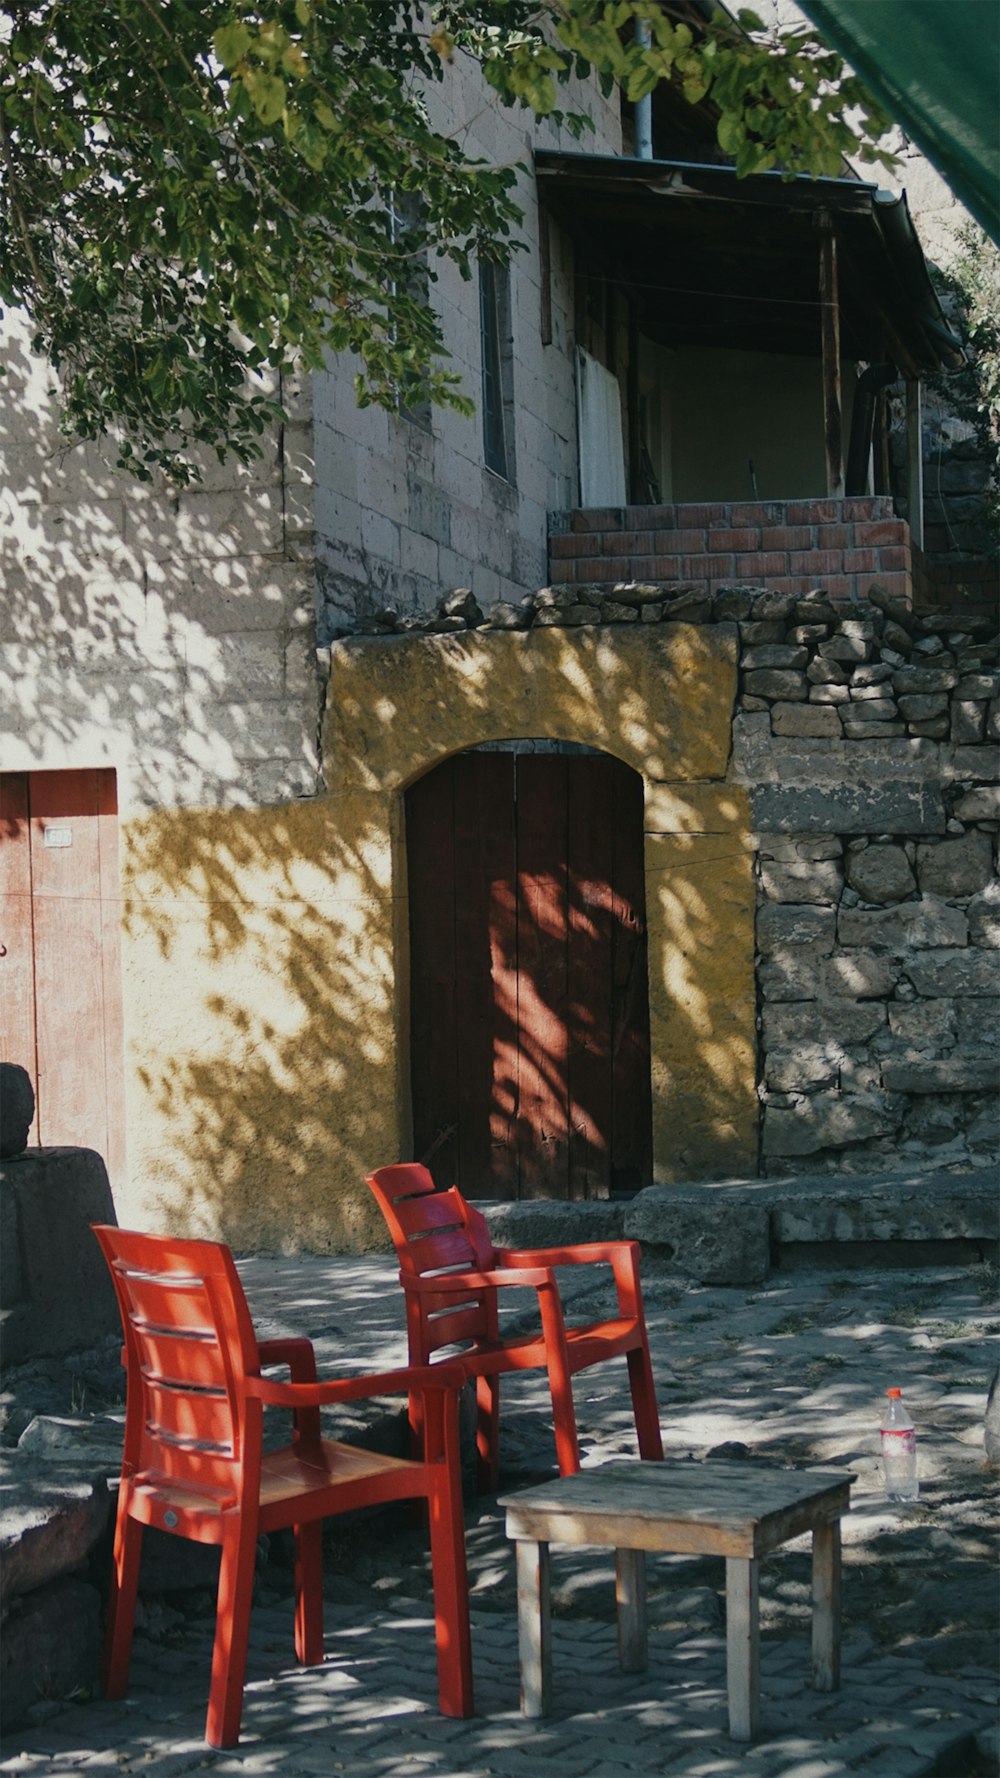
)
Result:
{"points": [[599, 431]]}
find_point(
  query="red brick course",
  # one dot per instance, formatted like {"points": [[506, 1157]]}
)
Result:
{"points": [[795, 546], [788, 537], [700, 567], [760, 565], [675, 543]]}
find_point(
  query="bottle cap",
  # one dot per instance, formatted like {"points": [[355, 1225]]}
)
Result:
{"points": [[894, 1392]]}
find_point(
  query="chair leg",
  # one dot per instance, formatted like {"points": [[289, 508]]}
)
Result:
{"points": [[647, 1414], [560, 1384], [309, 1593], [451, 1581], [121, 1604], [487, 1434], [232, 1634]]}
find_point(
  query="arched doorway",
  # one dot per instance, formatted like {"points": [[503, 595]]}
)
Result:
{"points": [[529, 1007]]}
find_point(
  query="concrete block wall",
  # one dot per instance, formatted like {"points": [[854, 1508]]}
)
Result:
{"points": [[788, 546], [169, 635], [406, 511]]}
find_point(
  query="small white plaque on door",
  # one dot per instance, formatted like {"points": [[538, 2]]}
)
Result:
{"points": [[57, 836]]}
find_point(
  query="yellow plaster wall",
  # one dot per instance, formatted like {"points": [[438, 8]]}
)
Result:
{"points": [[265, 955], [259, 986]]}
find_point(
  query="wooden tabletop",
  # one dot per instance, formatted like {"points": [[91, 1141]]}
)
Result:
{"points": [[723, 1508]]}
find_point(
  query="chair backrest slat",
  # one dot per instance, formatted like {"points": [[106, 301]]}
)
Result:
{"points": [[188, 1339], [434, 1232]]}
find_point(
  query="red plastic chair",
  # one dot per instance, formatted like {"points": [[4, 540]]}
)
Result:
{"points": [[194, 1463], [451, 1273]]}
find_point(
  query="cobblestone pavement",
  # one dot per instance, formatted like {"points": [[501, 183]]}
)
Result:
{"points": [[793, 1371]]}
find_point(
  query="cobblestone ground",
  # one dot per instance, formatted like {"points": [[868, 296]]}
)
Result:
{"points": [[793, 1371]]}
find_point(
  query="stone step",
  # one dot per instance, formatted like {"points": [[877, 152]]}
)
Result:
{"points": [[737, 1231]]}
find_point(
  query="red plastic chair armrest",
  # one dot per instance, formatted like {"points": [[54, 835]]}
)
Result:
{"points": [[295, 1351], [450, 1375], [537, 1277], [621, 1256], [581, 1253], [298, 1354]]}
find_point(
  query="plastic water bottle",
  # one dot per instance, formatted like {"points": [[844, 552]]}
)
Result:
{"points": [[899, 1450]]}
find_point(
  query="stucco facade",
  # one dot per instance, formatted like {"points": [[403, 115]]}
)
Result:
{"points": [[265, 952]]}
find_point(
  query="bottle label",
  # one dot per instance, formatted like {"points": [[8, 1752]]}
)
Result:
{"points": [[900, 1444]]}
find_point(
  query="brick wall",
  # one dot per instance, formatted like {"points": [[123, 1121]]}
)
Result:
{"points": [[788, 546]]}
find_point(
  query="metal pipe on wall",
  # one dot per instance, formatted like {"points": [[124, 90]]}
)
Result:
{"points": [[643, 107]]}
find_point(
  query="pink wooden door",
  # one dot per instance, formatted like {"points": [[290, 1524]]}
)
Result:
{"points": [[60, 983]]}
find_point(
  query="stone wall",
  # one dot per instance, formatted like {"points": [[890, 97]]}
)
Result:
{"points": [[868, 744]]}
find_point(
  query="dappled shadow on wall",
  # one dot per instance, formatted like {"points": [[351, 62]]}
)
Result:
{"points": [[261, 997], [120, 602]]}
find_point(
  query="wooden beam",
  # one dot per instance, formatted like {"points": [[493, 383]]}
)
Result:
{"points": [[914, 464], [829, 305]]}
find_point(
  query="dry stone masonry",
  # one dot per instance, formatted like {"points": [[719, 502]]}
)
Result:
{"points": [[866, 736]]}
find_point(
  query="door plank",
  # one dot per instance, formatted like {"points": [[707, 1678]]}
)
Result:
{"points": [[590, 918], [485, 1046], [17, 975], [109, 866], [69, 963], [543, 1123]]}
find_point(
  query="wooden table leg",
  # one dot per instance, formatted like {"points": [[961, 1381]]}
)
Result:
{"points": [[742, 1646], [630, 1598], [534, 1638], [826, 1607]]}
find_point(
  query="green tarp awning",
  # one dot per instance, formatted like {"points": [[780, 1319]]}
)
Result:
{"points": [[935, 65]]}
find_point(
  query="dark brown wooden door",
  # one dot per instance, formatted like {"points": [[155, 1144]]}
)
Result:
{"points": [[60, 985], [529, 1001]]}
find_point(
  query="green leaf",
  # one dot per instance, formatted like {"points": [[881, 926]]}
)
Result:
{"points": [[267, 94], [231, 44]]}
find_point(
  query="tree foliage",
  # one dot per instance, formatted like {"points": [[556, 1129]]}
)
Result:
{"points": [[970, 286], [195, 194]]}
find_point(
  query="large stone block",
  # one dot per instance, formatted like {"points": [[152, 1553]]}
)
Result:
{"points": [[924, 925], [951, 1074], [64, 1298], [955, 973], [813, 1021], [828, 1120], [881, 873], [50, 1521], [717, 1234], [956, 867], [553, 1224], [50, 1649], [984, 917], [820, 884], [803, 927], [917, 1206], [878, 807]]}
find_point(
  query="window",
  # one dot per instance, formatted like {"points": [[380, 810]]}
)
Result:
{"points": [[498, 368], [404, 217]]}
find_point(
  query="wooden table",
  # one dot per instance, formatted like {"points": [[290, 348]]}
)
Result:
{"points": [[737, 1510]]}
